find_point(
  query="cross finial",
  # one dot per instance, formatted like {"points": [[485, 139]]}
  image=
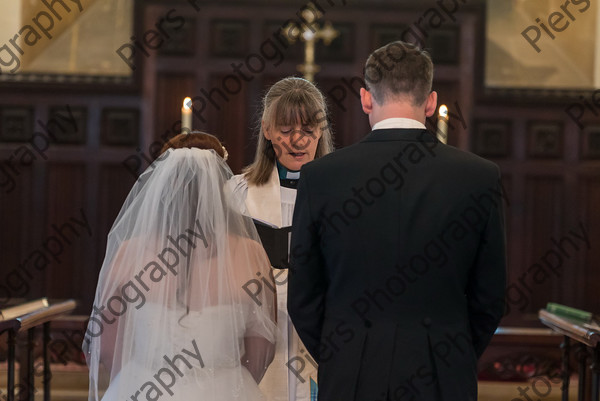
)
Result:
{"points": [[310, 32]]}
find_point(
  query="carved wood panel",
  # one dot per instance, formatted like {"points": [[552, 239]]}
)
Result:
{"points": [[550, 165], [68, 233], [541, 271], [228, 116], [589, 206]]}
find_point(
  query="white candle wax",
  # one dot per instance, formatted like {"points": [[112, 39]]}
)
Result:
{"points": [[186, 115], [442, 125]]}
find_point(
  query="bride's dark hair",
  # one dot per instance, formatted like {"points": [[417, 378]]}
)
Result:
{"points": [[195, 139]]}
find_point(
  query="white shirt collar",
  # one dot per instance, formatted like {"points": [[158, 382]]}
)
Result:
{"points": [[398, 123]]}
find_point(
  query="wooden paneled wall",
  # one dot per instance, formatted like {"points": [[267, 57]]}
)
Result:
{"points": [[550, 166]]}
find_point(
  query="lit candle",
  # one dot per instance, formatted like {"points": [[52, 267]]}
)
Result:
{"points": [[186, 115], [442, 125]]}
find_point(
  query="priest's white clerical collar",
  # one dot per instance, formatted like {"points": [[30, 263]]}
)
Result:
{"points": [[398, 123], [284, 173], [292, 175]]}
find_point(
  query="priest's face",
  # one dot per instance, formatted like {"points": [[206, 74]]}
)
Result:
{"points": [[294, 145]]}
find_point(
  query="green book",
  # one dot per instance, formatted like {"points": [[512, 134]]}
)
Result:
{"points": [[567, 311]]}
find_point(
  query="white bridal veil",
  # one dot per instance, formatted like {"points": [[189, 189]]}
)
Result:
{"points": [[184, 307]]}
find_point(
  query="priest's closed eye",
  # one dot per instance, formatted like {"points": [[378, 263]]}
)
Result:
{"points": [[290, 130]]}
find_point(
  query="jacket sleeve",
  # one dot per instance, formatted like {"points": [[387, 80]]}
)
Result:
{"points": [[487, 279], [307, 285]]}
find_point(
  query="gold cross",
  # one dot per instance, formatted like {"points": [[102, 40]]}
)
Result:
{"points": [[310, 35]]}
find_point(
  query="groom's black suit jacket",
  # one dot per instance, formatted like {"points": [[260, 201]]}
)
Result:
{"points": [[397, 267]]}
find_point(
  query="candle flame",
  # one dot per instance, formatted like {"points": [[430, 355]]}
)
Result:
{"points": [[443, 111], [187, 103]]}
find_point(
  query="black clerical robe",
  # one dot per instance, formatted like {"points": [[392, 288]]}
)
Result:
{"points": [[398, 267]]}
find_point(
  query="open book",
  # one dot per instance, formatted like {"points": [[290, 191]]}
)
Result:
{"points": [[276, 241]]}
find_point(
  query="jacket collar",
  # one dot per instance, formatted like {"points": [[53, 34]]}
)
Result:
{"points": [[400, 134]]}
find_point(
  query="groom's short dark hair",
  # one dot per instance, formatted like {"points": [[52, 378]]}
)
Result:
{"points": [[399, 70]]}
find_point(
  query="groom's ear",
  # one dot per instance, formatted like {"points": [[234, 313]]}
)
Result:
{"points": [[366, 100], [431, 104]]}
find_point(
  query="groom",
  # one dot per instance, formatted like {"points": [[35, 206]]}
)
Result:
{"points": [[398, 250]]}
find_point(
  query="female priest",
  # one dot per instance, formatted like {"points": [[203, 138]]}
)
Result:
{"points": [[293, 131]]}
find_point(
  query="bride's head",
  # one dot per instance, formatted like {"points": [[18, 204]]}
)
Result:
{"points": [[194, 175], [196, 139]]}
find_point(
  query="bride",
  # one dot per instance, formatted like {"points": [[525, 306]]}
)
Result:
{"points": [[171, 318]]}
